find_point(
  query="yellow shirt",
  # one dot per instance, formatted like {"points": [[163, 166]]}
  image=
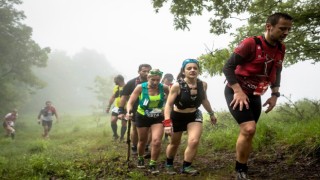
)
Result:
{"points": [[117, 90]]}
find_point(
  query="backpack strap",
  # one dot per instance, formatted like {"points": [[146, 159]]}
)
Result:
{"points": [[259, 49], [145, 100]]}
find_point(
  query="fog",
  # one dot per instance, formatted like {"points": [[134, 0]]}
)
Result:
{"points": [[103, 38], [70, 82]]}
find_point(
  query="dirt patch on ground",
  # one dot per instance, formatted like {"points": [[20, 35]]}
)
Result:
{"points": [[262, 165]]}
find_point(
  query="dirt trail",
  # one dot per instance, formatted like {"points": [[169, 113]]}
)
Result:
{"points": [[220, 165]]}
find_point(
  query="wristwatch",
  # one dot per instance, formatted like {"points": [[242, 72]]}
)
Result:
{"points": [[276, 94]]}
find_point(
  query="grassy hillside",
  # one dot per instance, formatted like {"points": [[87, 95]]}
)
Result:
{"points": [[81, 147]]}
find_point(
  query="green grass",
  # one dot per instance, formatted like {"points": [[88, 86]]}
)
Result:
{"points": [[81, 148]]}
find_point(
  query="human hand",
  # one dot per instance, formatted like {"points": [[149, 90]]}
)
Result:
{"points": [[271, 102], [129, 116], [213, 120], [168, 129], [240, 99], [121, 116], [107, 109]]}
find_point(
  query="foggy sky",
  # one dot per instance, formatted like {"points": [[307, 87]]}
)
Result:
{"points": [[129, 33]]}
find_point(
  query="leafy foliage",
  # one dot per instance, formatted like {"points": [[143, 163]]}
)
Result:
{"points": [[303, 43], [302, 110], [19, 53]]}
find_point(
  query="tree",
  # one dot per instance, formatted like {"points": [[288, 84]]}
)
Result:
{"points": [[303, 43], [18, 54]]}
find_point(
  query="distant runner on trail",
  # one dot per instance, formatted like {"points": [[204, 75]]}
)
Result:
{"points": [[182, 114], [255, 65], [143, 71], [9, 122], [149, 116], [45, 118], [115, 99]]}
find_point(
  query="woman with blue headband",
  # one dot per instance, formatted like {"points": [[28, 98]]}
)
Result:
{"points": [[182, 114]]}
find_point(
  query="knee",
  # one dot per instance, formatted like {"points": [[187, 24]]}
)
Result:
{"points": [[249, 131], [193, 143], [156, 143]]}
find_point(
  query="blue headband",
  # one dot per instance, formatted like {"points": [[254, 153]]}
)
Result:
{"points": [[187, 61]]}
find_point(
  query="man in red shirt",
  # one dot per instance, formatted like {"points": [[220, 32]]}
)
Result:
{"points": [[255, 64]]}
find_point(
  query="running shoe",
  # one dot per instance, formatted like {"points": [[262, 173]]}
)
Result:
{"points": [[242, 175], [190, 170], [153, 169], [140, 162], [170, 170]]}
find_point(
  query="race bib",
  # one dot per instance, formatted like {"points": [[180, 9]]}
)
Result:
{"points": [[155, 113]]}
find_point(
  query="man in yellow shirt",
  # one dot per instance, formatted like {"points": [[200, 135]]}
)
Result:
{"points": [[115, 99]]}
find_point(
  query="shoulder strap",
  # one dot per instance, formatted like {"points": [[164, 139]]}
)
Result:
{"points": [[144, 96], [200, 89], [258, 42], [259, 49]]}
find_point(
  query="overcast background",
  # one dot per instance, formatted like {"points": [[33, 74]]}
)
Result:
{"points": [[129, 33]]}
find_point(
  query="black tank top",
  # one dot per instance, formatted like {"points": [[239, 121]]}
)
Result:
{"points": [[185, 99]]}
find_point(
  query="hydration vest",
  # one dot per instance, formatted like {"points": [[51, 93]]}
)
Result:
{"points": [[145, 99], [185, 99], [261, 71], [262, 65]]}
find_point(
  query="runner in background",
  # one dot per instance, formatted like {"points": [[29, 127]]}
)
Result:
{"points": [[115, 99], [143, 71], [9, 122]]}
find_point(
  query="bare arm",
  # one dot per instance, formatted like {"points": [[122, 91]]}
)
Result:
{"points": [[173, 93], [111, 100], [133, 97], [167, 122], [207, 106]]}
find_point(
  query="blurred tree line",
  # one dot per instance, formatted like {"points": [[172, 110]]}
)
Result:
{"points": [[30, 75], [303, 43], [71, 82], [18, 54]]}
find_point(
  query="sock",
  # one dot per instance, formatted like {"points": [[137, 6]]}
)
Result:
{"points": [[186, 164], [241, 167], [169, 162], [123, 131], [114, 129]]}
